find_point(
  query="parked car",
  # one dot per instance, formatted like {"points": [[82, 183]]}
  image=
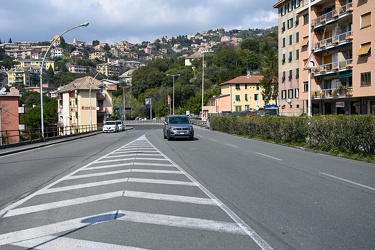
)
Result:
{"points": [[178, 126], [110, 126], [121, 126]]}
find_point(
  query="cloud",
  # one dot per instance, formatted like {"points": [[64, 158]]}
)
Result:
{"points": [[131, 20]]}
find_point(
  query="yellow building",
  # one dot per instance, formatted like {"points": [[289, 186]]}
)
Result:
{"points": [[341, 35], [82, 103], [245, 93]]}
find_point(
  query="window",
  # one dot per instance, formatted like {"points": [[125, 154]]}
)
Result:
{"points": [[290, 6], [283, 27], [366, 20], [290, 39], [297, 3], [246, 97], [305, 86], [238, 108], [238, 98], [257, 86], [290, 93], [297, 54], [283, 10], [238, 87], [296, 21], [290, 56], [247, 107], [283, 77], [365, 49], [306, 19], [256, 97], [296, 93], [290, 74], [245, 85], [305, 41], [283, 94], [290, 23], [366, 79], [297, 37], [297, 73], [283, 41], [283, 59]]}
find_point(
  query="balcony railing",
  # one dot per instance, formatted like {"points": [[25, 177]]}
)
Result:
{"points": [[331, 93], [332, 15], [336, 40], [333, 67]]}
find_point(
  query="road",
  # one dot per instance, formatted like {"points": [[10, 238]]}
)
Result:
{"points": [[135, 190]]}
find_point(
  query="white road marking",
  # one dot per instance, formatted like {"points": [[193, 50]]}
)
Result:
{"points": [[124, 171], [212, 139], [268, 156], [106, 196], [231, 145], [59, 243], [351, 182], [115, 181], [184, 222]]}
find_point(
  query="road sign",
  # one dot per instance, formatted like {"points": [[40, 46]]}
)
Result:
{"points": [[311, 62]]}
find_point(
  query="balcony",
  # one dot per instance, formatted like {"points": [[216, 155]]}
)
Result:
{"points": [[333, 42], [332, 93], [332, 16], [334, 67]]}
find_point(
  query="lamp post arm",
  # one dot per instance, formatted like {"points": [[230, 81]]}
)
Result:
{"points": [[41, 74]]}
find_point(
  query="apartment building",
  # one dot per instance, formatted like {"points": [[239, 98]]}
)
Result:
{"points": [[340, 38], [243, 93], [9, 116], [83, 102]]}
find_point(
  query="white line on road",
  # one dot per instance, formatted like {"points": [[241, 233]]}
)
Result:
{"points": [[116, 181], [106, 196], [352, 182], [231, 145], [59, 243], [212, 139], [268, 156], [123, 171], [184, 222]]}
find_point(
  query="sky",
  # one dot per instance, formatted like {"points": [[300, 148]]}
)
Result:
{"points": [[134, 21]]}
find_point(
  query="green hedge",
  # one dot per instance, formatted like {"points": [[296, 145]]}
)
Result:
{"points": [[350, 134]]}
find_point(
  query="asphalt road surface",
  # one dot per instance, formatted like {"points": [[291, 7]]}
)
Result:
{"points": [[135, 190]]}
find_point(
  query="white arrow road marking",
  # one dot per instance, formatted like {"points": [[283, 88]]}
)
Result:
{"points": [[106, 196], [58, 243]]}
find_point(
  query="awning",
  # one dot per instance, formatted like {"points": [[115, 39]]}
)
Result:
{"points": [[364, 49], [305, 41], [345, 74]]}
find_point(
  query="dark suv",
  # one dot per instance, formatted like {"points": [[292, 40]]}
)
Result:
{"points": [[178, 126]]}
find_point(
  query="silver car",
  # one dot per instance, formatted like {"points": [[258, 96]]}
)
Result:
{"points": [[178, 126], [110, 126]]}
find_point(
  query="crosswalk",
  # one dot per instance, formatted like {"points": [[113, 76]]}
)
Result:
{"points": [[133, 186]]}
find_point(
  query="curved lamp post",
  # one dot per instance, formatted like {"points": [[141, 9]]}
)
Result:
{"points": [[41, 74], [173, 87]]}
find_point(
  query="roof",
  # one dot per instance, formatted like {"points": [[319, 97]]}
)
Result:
{"points": [[244, 80], [82, 84], [279, 3], [196, 55]]}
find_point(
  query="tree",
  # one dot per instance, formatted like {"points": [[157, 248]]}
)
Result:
{"points": [[10, 40], [95, 42], [269, 71]]}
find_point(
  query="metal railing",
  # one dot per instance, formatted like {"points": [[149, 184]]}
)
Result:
{"points": [[333, 67], [336, 40], [332, 15]]}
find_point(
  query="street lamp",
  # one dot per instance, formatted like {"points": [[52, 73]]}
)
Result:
{"points": [[41, 73], [91, 83], [203, 51], [173, 87]]}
